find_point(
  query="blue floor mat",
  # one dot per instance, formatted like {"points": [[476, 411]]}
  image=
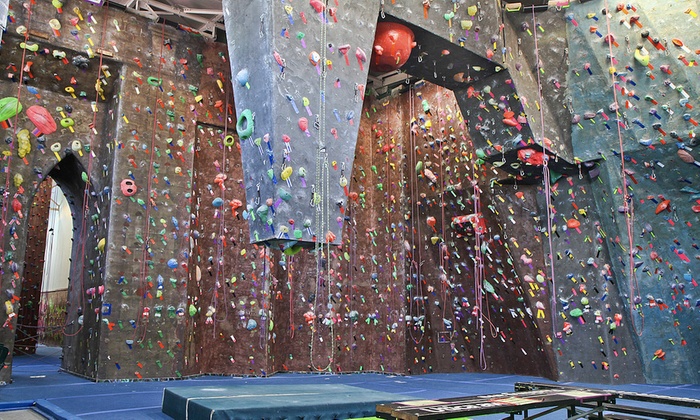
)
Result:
{"points": [[39, 377]]}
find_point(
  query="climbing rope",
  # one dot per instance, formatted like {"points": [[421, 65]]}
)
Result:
{"points": [[142, 315], [320, 200], [479, 279], [628, 202], [290, 285], [221, 242], [444, 253], [416, 245], [546, 179]]}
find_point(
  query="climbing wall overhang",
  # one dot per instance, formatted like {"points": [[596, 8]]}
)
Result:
{"points": [[299, 74]]}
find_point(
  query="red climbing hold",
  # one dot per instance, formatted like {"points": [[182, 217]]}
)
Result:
{"points": [[393, 43]]}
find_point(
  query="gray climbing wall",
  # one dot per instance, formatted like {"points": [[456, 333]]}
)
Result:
{"points": [[185, 292], [299, 75], [636, 56]]}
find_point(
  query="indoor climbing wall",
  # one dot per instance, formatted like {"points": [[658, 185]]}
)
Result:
{"points": [[310, 63], [594, 333], [538, 219], [167, 96], [345, 309], [660, 213], [52, 118], [471, 305], [637, 118], [494, 81], [28, 315], [227, 284], [113, 120]]}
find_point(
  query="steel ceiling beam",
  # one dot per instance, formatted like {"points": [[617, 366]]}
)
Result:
{"points": [[153, 9]]}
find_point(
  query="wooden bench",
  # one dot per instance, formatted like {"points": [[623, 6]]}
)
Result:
{"points": [[579, 403]]}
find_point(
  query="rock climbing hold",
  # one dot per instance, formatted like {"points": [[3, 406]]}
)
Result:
{"points": [[663, 205], [24, 146], [128, 187], [393, 43], [245, 124], [9, 107]]}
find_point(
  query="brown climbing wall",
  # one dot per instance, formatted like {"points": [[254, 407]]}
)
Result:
{"points": [[444, 263], [28, 314], [470, 307]]}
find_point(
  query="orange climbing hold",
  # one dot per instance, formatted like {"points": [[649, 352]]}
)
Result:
{"points": [[235, 205], [664, 205], [660, 354], [573, 224]]}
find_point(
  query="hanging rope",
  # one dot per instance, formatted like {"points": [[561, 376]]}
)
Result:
{"points": [[444, 252], [416, 234], [86, 191], [479, 278], [320, 200], [142, 317], [546, 179], [290, 285], [221, 243], [627, 199]]}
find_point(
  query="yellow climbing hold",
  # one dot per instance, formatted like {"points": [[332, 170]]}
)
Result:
{"points": [[24, 146], [18, 180], [643, 59], [286, 173]]}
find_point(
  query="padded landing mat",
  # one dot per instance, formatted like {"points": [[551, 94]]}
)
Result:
{"points": [[273, 402]]}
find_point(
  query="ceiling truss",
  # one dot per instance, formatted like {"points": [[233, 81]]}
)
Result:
{"points": [[204, 21]]}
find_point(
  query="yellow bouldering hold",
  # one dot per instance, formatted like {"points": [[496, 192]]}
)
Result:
{"points": [[24, 146]]}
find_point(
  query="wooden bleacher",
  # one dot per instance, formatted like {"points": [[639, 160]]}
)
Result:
{"points": [[543, 399]]}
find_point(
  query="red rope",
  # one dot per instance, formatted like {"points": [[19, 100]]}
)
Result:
{"points": [[86, 191], [6, 196], [220, 270], [144, 256], [628, 202]]}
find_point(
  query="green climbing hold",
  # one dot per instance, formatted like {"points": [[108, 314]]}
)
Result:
{"points": [[245, 124], [154, 81], [284, 194], [263, 210], [292, 250], [575, 313], [9, 107]]}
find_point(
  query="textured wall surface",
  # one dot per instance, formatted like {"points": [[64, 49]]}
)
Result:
{"points": [[65, 152], [652, 242], [591, 276], [301, 72], [28, 317]]}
